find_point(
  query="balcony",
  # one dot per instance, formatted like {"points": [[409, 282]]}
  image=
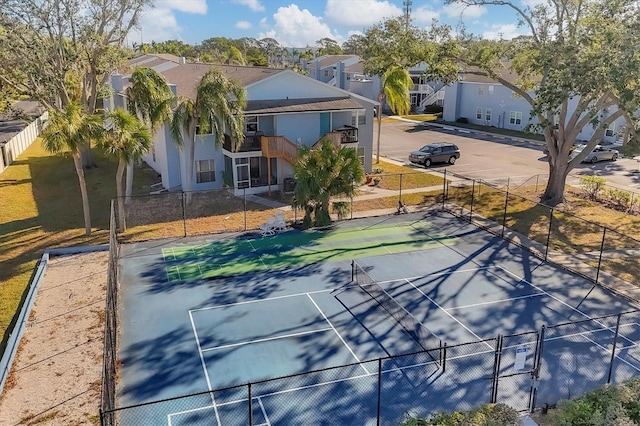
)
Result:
{"points": [[421, 88], [249, 144]]}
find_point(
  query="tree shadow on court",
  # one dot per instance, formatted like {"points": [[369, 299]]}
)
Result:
{"points": [[159, 366]]}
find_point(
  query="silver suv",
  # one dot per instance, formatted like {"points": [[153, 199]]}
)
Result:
{"points": [[441, 152]]}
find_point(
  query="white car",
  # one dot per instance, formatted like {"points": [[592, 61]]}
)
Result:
{"points": [[599, 153]]}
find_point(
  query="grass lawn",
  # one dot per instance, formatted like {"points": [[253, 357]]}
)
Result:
{"points": [[411, 178], [41, 208]]}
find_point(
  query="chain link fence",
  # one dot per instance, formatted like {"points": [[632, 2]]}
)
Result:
{"points": [[559, 362], [525, 371]]}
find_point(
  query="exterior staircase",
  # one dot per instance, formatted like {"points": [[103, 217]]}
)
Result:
{"points": [[279, 147]]}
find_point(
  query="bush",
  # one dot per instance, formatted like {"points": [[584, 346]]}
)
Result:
{"points": [[433, 109], [592, 185], [621, 199], [462, 120], [487, 415]]}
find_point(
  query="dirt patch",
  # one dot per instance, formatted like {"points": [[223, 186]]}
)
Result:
{"points": [[55, 379]]}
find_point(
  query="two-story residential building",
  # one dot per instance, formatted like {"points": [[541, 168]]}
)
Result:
{"points": [[330, 69], [284, 111]]}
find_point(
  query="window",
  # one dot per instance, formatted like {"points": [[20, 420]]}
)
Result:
{"points": [[487, 114], [478, 113], [251, 124], [326, 73], [361, 155], [362, 118], [205, 171], [490, 90], [611, 130], [480, 90], [515, 117]]}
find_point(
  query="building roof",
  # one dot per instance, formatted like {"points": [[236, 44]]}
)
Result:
{"points": [[327, 61], [9, 126], [187, 76], [357, 68], [271, 106]]}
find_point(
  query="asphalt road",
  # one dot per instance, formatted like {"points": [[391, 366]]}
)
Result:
{"points": [[494, 158]]}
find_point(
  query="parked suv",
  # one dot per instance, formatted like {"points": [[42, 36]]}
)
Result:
{"points": [[441, 152]]}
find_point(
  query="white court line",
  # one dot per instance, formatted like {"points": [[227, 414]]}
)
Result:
{"points": [[605, 349], [192, 410], [436, 274], [561, 301], [264, 412], [445, 311], [338, 334], [266, 339], [528, 296], [378, 241], [259, 257], [260, 300], [204, 367]]}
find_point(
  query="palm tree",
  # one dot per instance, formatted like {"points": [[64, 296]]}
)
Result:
{"points": [[396, 83], [125, 138], [217, 108], [70, 129], [320, 174], [149, 97]]}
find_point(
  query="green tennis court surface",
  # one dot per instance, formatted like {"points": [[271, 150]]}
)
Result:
{"points": [[293, 249]]}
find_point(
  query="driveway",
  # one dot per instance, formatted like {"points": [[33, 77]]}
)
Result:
{"points": [[495, 158]]}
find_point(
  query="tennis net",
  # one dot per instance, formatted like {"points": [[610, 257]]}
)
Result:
{"points": [[418, 332]]}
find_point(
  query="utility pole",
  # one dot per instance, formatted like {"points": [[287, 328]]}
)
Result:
{"points": [[407, 12]]}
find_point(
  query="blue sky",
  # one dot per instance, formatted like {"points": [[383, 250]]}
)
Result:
{"points": [[299, 23]]}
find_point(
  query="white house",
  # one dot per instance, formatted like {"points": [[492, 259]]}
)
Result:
{"points": [[284, 110]]}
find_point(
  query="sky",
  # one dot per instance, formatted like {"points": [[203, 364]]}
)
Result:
{"points": [[300, 23]]}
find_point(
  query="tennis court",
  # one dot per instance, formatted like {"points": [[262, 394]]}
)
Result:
{"points": [[215, 314]]}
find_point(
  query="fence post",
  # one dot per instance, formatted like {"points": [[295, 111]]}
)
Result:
{"points": [[604, 233], [473, 193], [250, 404], [353, 189], [444, 188], [535, 373], [504, 213], [400, 194], [184, 213], [443, 361], [546, 251], [496, 370], [379, 391], [101, 417], [613, 350], [244, 196]]}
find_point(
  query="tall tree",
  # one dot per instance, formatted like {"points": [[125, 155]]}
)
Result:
{"points": [[217, 108], [234, 56], [391, 47], [149, 97], [51, 49], [68, 130], [396, 83], [354, 45], [328, 46], [320, 174], [126, 139], [270, 48], [579, 67]]}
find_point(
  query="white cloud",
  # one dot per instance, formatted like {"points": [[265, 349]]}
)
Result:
{"points": [[455, 10], [159, 23], [362, 13], [243, 25], [424, 15], [502, 32], [296, 28], [156, 25], [190, 6], [251, 4]]}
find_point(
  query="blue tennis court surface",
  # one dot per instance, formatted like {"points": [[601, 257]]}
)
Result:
{"points": [[448, 280]]}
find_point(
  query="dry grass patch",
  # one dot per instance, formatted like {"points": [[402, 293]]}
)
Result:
{"points": [[411, 178]]}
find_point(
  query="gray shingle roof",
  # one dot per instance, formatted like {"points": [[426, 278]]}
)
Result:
{"points": [[271, 106]]}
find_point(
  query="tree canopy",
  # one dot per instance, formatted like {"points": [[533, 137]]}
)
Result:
{"points": [[578, 67]]}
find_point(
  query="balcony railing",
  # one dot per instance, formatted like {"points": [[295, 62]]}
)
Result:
{"points": [[250, 143]]}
